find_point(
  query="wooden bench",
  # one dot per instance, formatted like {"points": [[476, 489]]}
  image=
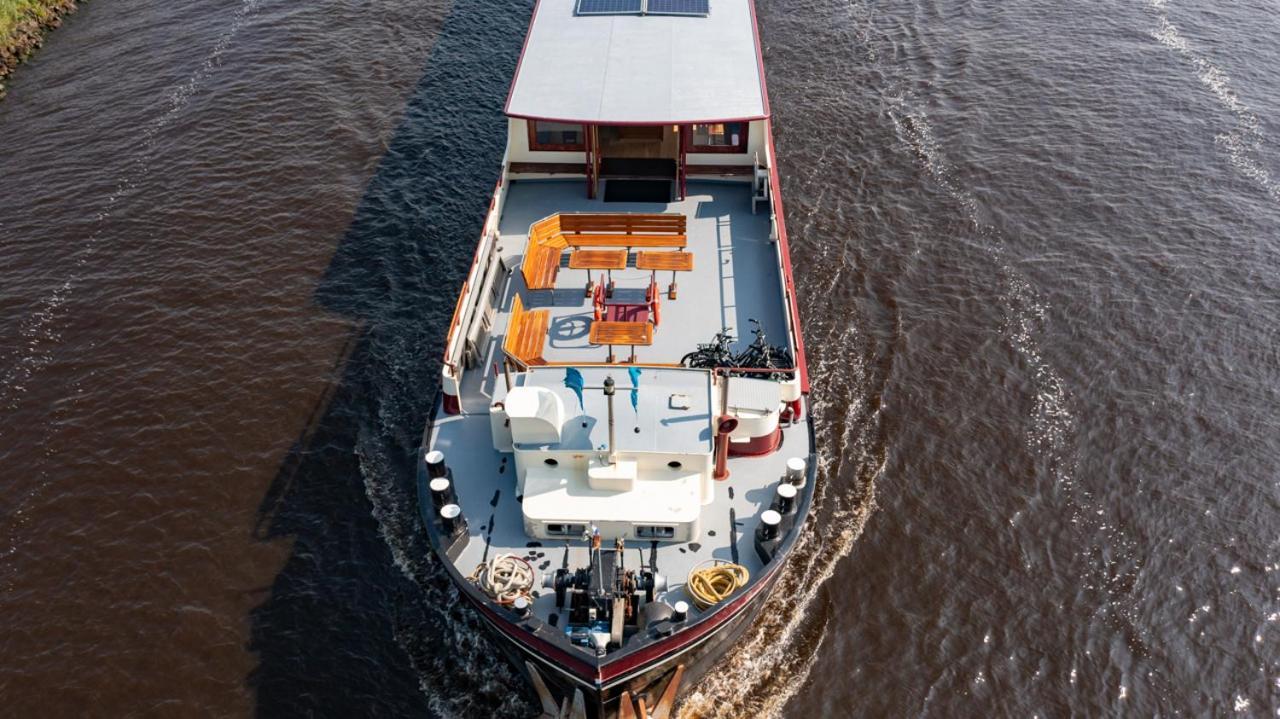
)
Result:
{"points": [[542, 258], [626, 241], [550, 236], [526, 333], [624, 230]]}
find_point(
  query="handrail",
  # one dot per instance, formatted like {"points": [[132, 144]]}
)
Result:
{"points": [[488, 237]]}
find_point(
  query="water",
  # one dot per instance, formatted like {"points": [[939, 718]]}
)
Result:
{"points": [[1037, 260]]}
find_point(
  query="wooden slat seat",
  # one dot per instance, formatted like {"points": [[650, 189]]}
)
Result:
{"points": [[542, 261], [526, 334], [630, 223], [593, 240], [550, 236]]}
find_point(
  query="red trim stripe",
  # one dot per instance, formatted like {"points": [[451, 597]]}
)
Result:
{"points": [[764, 86], [775, 186]]}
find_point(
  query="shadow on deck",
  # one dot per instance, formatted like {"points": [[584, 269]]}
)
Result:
{"points": [[360, 620]]}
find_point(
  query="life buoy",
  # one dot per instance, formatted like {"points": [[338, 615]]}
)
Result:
{"points": [[657, 313]]}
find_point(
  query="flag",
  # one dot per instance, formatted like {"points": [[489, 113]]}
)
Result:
{"points": [[635, 388], [573, 380]]}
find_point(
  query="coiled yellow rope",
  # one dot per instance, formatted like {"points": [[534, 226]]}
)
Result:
{"points": [[710, 585]]}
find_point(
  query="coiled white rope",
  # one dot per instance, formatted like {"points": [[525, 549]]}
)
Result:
{"points": [[504, 578]]}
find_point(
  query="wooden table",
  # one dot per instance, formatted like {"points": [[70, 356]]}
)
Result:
{"points": [[607, 260], [665, 261], [608, 333]]}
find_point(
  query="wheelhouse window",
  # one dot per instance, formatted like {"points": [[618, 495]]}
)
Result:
{"points": [[718, 137], [556, 136]]}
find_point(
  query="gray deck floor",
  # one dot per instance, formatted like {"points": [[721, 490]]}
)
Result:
{"points": [[735, 277], [486, 486]]}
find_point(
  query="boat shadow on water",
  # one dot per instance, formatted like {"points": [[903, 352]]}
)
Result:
{"points": [[361, 620]]}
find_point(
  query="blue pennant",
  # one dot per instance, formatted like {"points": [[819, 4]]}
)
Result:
{"points": [[635, 388], [573, 380]]}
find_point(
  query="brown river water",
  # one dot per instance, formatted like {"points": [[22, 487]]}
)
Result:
{"points": [[1037, 248]]}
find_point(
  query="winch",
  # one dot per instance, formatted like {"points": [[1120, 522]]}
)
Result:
{"points": [[605, 600]]}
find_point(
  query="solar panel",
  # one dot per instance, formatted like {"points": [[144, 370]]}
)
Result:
{"points": [[679, 7], [610, 7]]}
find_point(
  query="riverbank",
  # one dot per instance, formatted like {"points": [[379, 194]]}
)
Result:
{"points": [[23, 25]]}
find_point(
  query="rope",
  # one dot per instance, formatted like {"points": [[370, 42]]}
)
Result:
{"points": [[504, 578], [710, 585]]}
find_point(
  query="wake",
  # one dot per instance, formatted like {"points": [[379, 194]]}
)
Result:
{"points": [[1053, 425], [773, 659], [1243, 144], [41, 332]]}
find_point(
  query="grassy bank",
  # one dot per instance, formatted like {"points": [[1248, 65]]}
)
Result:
{"points": [[23, 24]]}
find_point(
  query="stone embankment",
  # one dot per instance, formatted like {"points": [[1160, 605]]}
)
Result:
{"points": [[23, 25]]}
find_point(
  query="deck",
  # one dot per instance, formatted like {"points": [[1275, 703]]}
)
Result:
{"points": [[735, 277], [486, 486]]}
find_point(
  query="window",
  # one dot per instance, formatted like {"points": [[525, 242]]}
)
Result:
{"points": [[556, 136], [650, 532], [566, 530], [719, 137]]}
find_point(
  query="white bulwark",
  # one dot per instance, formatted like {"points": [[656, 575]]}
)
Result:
{"points": [[629, 69]]}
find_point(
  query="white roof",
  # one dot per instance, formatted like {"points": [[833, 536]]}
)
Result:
{"points": [[639, 68], [662, 426]]}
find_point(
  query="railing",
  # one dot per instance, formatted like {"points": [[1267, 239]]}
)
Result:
{"points": [[784, 256], [465, 312]]}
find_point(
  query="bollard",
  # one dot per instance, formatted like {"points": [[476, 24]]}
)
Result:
{"points": [[795, 471], [784, 500], [682, 611], [769, 521], [435, 464], [452, 521], [521, 606], [442, 492], [767, 535]]}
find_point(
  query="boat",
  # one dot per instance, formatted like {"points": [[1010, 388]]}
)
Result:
{"points": [[621, 456]]}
